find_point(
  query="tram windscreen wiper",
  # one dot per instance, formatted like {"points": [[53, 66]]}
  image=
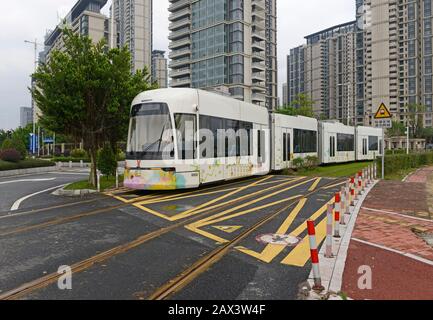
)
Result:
{"points": [[159, 140]]}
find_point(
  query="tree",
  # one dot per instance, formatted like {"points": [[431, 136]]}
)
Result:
{"points": [[23, 135], [398, 129], [84, 92], [415, 119], [107, 162], [301, 106]]}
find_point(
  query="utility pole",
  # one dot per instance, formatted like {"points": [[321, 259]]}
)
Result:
{"points": [[407, 140], [35, 44]]}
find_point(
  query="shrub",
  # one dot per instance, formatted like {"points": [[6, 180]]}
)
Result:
{"points": [[107, 162], [7, 144], [79, 153], [10, 155], [298, 163], [397, 162], [311, 162], [20, 147]]}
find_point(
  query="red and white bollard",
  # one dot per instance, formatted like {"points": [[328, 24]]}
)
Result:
{"points": [[352, 191], [343, 207], [337, 213], [329, 229], [359, 184], [314, 257]]}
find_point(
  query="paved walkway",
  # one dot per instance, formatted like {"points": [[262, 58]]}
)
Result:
{"points": [[390, 237]]}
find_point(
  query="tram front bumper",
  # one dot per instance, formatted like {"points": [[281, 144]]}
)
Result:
{"points": [[158, 179]]}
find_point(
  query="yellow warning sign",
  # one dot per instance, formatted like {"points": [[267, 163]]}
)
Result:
{"points": [[383, 112], [228, 229]]}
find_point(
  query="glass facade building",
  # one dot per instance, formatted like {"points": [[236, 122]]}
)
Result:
{"points": [[222, 43]]}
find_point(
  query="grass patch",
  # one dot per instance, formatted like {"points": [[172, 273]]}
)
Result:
{"points": [[399, 175], [334, 171], [106, 183], [25, 164]]}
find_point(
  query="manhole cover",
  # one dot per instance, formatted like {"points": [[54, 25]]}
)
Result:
{"points": [[278, 239]]}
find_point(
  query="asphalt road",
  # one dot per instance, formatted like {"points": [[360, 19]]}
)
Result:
{"points": [[14, 188], [130, 245]]}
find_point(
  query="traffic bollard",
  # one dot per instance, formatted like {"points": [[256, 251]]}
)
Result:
{"points": [[314, 257], [98, 180], [117, 178], [337, 207], [352, 192], [70, 164], [329, 229], [343, 207]]}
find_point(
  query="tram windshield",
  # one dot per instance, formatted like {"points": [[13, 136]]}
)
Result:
{"points": [[148, 128]]}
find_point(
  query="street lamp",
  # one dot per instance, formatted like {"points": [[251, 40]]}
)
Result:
{"points": [[35, 44]]}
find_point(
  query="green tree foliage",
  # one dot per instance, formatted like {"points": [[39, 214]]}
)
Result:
{"points": [[23, 135], [301, 106], [415, 119], [107, 162], [15, 144], [398, 129], [85, 92]]}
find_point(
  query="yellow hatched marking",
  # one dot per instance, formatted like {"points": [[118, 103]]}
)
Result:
{"points": [[125, 200], [271, 250], [299, 256], [334, 185], [315, 184], [195, 226], [228, 229], [204, 208]]}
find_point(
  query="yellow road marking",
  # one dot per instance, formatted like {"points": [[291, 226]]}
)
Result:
{"points": [[299, 256], [271, 250], [197, 210], [205, 221], [228, 229], [195, 228], [334, 185], [315, 184], [124, 200]]}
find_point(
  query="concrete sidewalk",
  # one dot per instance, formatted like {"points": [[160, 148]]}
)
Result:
{"points": [[393, 236]]}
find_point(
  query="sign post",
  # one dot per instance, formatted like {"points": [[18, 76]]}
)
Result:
{"points": [[383, 119]]}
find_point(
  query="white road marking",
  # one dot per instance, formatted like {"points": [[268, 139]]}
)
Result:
{"points": [[398, 214], [17, 203], [407, 255], [28, 180]]}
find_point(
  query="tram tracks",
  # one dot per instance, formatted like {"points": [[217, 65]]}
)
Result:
{"points": [[204, 263], [45, 281], [74, 217]]}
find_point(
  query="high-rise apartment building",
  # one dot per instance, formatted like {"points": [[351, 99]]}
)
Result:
{"points": [[132, 22], [324, 70], [26, 116], [285, 95], [222, 43], [84, 18], [390, 50], [159, 68]]}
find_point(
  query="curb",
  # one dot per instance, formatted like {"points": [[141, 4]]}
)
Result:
{"points": [[332, 269], [73, 193]]}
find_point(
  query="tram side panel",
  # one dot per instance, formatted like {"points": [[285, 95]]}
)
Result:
{"points": [[293, 137], [336, 143], [368, 143]]}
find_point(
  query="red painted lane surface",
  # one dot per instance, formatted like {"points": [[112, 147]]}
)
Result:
{"points": [[394, 277]]}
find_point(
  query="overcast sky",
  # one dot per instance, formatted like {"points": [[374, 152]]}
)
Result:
{"points": [[29, 19]]}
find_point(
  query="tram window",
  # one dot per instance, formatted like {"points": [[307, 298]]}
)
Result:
{"points": [[284, 147], [332, 147], [364, 147], [289, 144], [240, 144], [304, 141], [259, 143], [373, 143], [148, 138], [186, 126], [345, 142]]}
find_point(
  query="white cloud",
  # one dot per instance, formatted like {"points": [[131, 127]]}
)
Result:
{"points": [[29, 19]]}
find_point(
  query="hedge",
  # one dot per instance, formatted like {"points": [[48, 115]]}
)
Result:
{"points": [[25, 164], [395, 163]]}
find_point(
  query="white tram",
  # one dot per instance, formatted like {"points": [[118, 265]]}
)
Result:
{"points": [[183, 138], [160, 160]]}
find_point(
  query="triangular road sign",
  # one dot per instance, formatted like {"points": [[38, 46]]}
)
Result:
{"points": [[383, 112], [228, 229]]}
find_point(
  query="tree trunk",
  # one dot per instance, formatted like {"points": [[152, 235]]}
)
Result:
{"points": [[93, 168]]}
